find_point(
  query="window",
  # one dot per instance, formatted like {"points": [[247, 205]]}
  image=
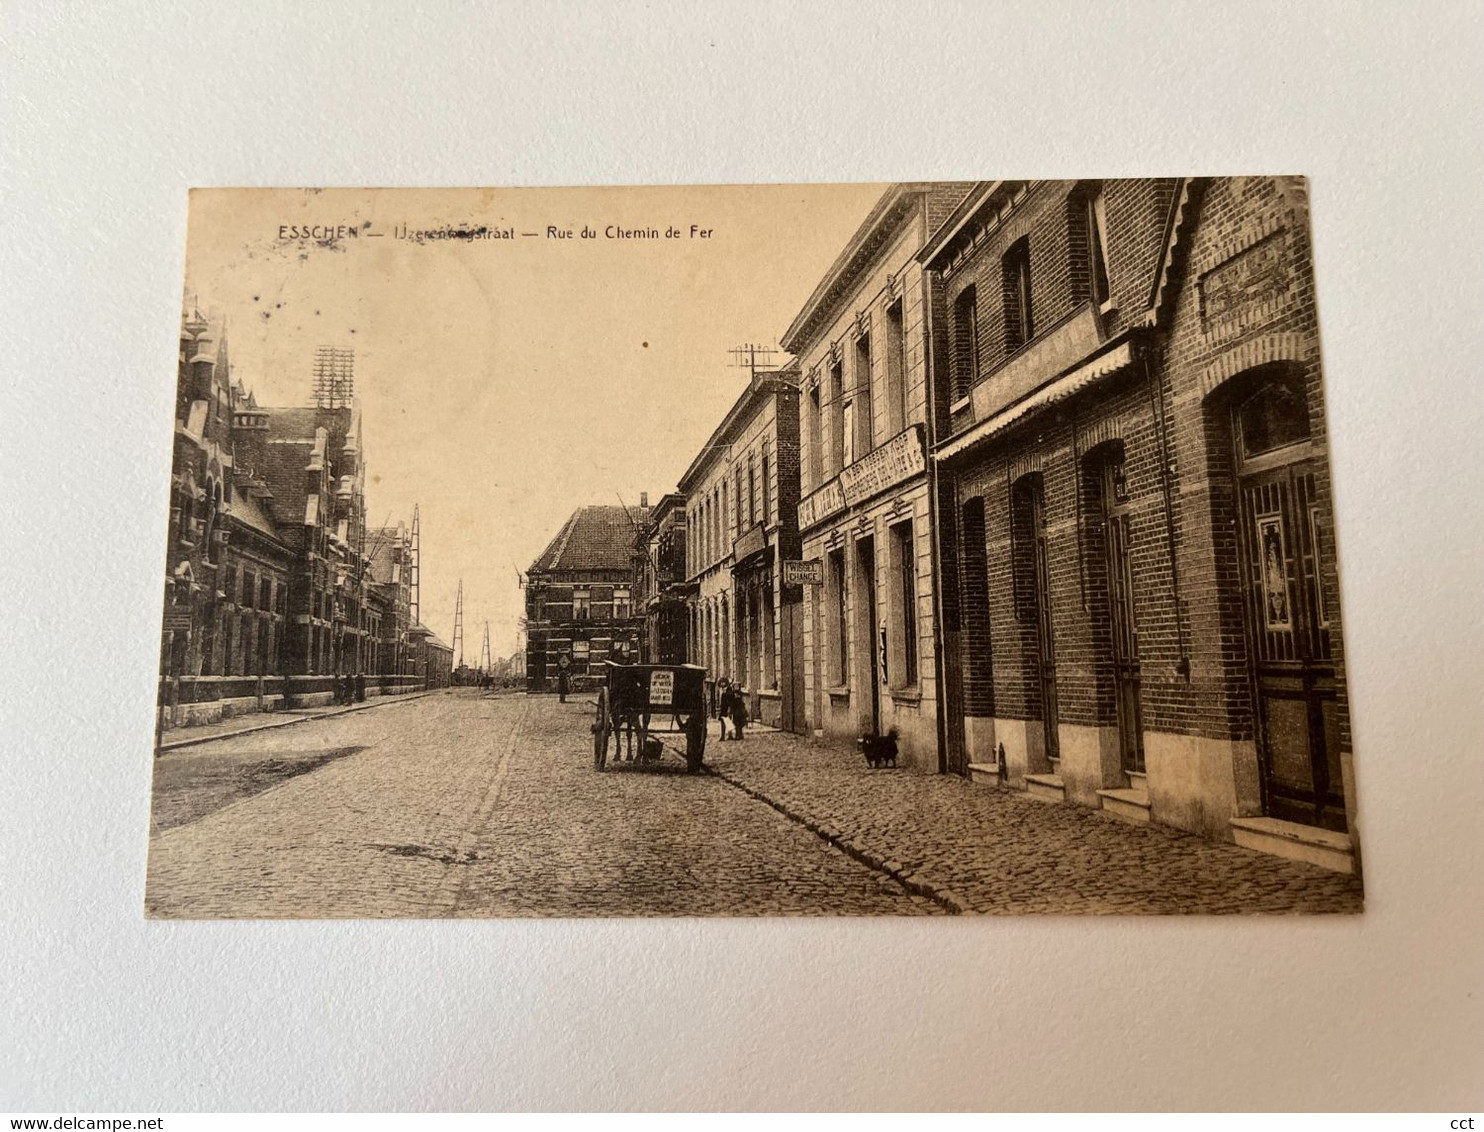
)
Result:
{"points": [[767, 488], [582, 607], [816, 453], [579, 656], [837, 417], [622, 603], [1016, 272], [1097, 243], [751, 489], [602, 603], [903, 667], [862, 396], [1274, 417], [839, 628], [965, 342], [896, 370], [741, 503], [847, 434], [770, 641]]}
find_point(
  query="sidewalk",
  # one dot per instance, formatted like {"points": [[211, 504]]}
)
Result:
{"points": [[176, 737], [977, 848]]}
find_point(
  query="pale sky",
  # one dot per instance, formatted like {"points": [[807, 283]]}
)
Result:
{"points": [[504, 383]]}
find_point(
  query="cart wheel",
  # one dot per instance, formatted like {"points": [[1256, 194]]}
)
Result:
{"points": [[695, 741], [601, 728]]}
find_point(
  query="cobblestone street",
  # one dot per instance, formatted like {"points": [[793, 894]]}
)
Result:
{"points": [[458, 804], [462, 805], [991, 849]]}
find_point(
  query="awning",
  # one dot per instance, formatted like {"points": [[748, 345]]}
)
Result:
{"points": [[1058, 390]]}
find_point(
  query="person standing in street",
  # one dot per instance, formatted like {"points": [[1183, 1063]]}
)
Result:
{"points": [[562, 684]]}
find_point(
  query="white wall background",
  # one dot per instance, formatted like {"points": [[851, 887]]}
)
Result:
{"points": [[112, 112]]}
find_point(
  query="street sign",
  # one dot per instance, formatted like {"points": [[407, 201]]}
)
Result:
{"points": [[808, 572]]}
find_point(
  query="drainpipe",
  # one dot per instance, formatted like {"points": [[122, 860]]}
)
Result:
{"points": [[934, 526]]}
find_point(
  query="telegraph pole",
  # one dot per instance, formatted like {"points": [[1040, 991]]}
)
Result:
{"points": [[458, 627], [414, 567]]}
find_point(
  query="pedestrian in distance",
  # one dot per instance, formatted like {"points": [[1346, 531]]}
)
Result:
{"points": [[561, 685], [739, 712], [723, 704]]}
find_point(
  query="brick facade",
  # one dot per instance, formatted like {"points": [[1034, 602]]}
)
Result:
{"points": [[1097, 465]]}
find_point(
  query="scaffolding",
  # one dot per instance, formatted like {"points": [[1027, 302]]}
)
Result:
{"points": [[334, 376]]}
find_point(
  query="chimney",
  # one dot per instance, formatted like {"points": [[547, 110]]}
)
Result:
{"points": [[644, 499]]}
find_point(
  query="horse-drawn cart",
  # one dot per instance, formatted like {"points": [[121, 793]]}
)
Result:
{"points": [[635, 694]]}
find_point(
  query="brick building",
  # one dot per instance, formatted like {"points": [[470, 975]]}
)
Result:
{"points": [[269, 587], [227, 571], [660, 587], [579, 597], [1141, 610], [868, 663], [742, 493]]}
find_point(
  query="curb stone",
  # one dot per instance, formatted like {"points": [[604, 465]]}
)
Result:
{"points": [[197, 740]]}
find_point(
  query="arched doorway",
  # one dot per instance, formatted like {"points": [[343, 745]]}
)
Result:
{"points": [[1283, 555]]}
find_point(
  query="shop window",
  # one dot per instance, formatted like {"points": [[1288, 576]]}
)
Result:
{"points": [[839, 625], [903, 606], [770, 640]]}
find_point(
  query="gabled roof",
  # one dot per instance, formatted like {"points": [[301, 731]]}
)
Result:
{"points": [[422, 630], [247, 510], [594, 538]]}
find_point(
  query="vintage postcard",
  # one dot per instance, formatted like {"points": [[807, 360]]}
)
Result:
{"points": [[896, 549]]}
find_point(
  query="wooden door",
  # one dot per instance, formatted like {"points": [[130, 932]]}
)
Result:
{"points": [[1289, 647], [1122, 627], [868, 614], [1045, 649]]}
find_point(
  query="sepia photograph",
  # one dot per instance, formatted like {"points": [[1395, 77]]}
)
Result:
{"points": [[907, 549], [629, 556]]}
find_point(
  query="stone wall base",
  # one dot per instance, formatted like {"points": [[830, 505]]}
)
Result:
{"points": [[1200, 784], [979, 739], [1089, 761], [1024, 741]]}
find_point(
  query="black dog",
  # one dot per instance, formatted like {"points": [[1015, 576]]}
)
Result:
{"points": [[880, 750]]}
